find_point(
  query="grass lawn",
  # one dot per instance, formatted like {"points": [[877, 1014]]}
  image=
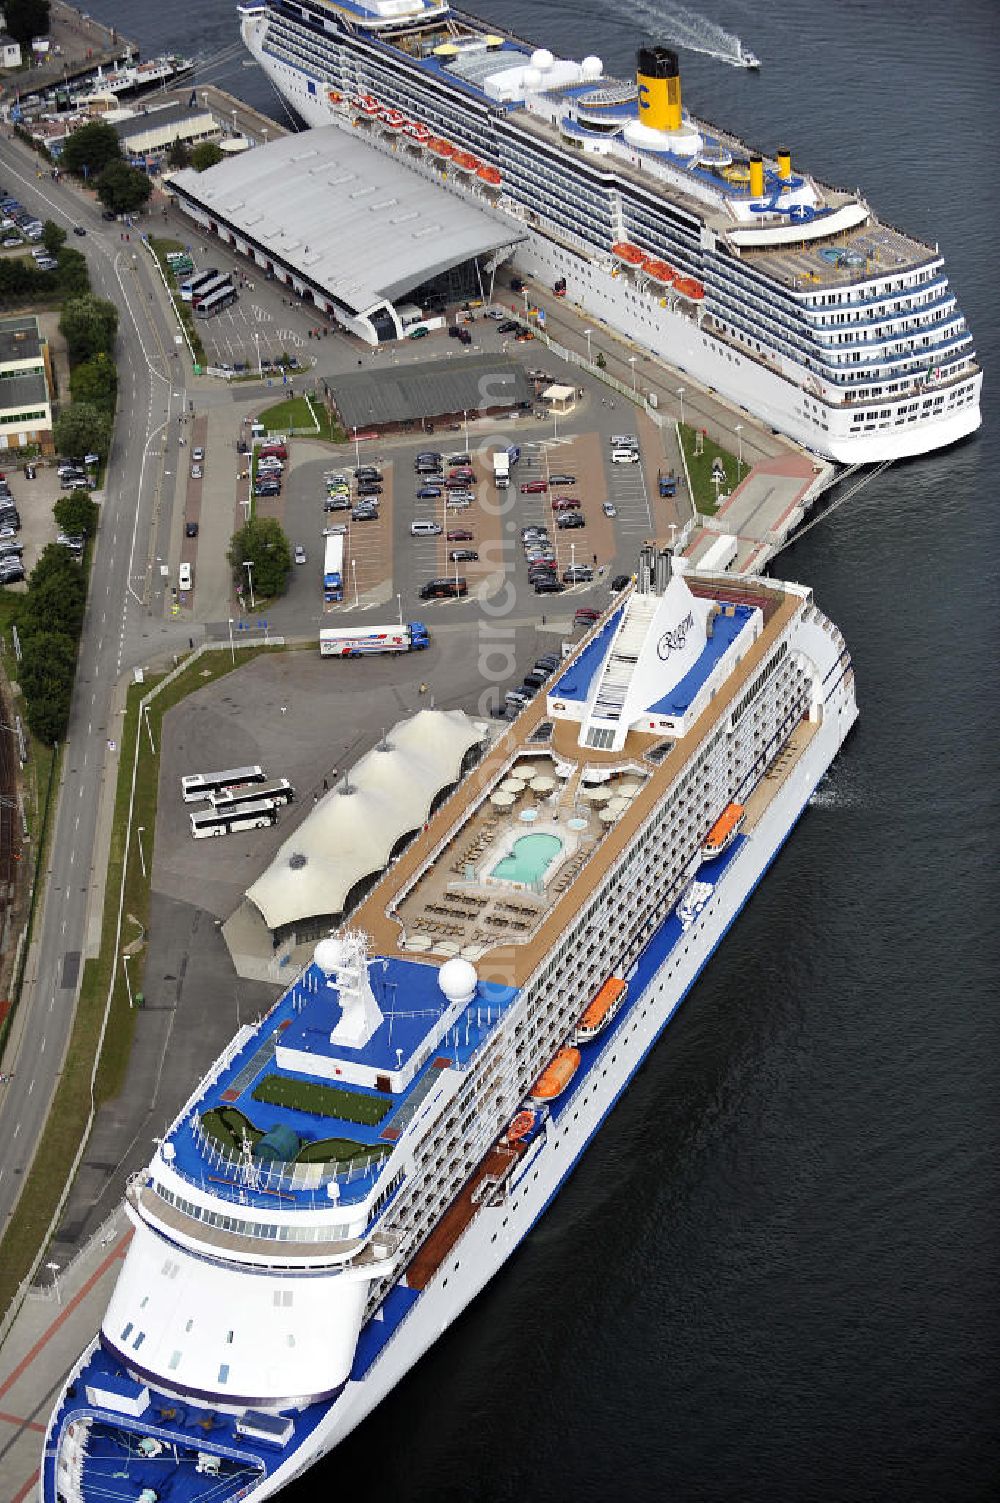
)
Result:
{"points": [[227, 1125], [294, 413], [321, 1100], [700, 469], [67, 1122]]}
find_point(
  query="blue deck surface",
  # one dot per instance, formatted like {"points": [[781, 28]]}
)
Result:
{"points": [[116, 1470], [725, 631], [575, 681], [412, 1005]]}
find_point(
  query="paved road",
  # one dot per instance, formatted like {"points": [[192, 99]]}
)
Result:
{"points": [[113, 639]]}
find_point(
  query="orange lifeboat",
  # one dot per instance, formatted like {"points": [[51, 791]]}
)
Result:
{"points": [[521, 1125], [333, 96], [689, 287], [441, 148], [660, 271], [557, 1075], [465, 161], [629, 253], [489, 174], [724, 831], [601, 1010]]}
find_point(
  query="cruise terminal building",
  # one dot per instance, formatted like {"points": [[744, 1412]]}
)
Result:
{"points": [[348, 228]]}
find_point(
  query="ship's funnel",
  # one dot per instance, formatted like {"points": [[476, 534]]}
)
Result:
{"points": [[659, 81], [756, 177], [784, 164]]}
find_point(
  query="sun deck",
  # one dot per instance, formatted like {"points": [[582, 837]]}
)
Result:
{"points": [[443, 887]]}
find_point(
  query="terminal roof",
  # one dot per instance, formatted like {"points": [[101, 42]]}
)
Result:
{"points": [[350, 218]]}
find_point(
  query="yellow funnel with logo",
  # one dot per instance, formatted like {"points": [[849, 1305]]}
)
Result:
{"points": [[659, 81], [756, 177]]}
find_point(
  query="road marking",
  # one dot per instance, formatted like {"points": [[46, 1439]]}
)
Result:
{"points": [[17, 1130], [31, 1086], [44, 1042]]}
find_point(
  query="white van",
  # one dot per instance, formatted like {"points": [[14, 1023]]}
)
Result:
{"points": [[624, 456], [623, 441], [425, 529], [184, 576]]}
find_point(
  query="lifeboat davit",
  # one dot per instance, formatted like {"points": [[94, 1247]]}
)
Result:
{"points": [[601, 1010], [689, 287], [392, 118], [489, 174], [724, 831], [557, 1075], [629, 253]]}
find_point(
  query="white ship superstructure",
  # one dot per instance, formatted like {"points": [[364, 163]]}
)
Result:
{"points": [[351, 1172], [787, 296]]}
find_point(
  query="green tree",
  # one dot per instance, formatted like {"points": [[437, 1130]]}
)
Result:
{"points": [[72, 275], [46, 673], [88, 324], [20, 280], [82, 427], [87, 151], [26, 19], [53, 237], [600, 361], [56, 598], [76, 513], [122, 188], [95, 381], [179, 155], [262, 542], [205, 154]]}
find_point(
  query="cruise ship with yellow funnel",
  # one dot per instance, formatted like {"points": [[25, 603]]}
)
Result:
{"points": [[786, 295]]}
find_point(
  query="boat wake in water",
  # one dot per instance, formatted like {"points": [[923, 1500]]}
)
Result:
{"points": [[689, 29]]}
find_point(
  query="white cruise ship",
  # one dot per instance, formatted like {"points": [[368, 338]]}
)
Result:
{"points": [[787, 296], [351, 1172]]}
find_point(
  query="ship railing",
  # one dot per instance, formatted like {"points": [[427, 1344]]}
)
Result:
{"points": [[265, 1178]]}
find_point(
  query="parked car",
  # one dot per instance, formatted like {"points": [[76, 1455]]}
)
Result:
{"points": [[444, 589], [578, 574], [364, 514], [273, 451], [300, 554], [337, 503], [464, 459], [418, 332], [621, 582], [196, 472], [549, 586], [566, 503], [509, 326], [464, 336], [460, 535], [570, 520], [609, 508], [191, 529], [562, 480], [549, 662], [364, 472], [184, 576], [425, 529], [198, 454], [586, 613], [462, 555], [534, 487], [429, 493]]}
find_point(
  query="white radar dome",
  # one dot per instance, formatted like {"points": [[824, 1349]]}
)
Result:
{"points": [[541, 59], [328, 954], [458, 980], [592, 67]]}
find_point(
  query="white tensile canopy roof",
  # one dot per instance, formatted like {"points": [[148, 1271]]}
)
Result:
{"points": [[350, 834]]}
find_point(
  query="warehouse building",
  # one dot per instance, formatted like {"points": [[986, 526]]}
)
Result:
{"points": [[433, 392], [349, 229]]}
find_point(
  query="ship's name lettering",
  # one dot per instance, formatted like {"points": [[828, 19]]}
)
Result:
{"points": [[675, 639]]}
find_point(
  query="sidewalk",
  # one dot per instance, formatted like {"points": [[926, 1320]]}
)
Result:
{"points": [[33, 1366]]}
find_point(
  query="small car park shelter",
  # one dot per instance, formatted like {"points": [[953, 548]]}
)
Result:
{"points": [[346, 226], [429, 392], [559, 398]]}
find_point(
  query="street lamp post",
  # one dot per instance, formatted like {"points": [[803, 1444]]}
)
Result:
{"points": [[680, 395], [399, 603], [524, 294], [232, 644], [357, 449], [465, 425], [54, 1270], [631, 361], [142, 855], [739, 452], [248, 566], [586, 334], [128, 983], [572, 560], [354, 577], [149, 729]]}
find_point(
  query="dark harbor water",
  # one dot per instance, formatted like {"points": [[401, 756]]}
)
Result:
{"points": [[774, 1275]]}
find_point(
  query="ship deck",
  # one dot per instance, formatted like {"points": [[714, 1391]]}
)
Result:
{"points": [[443, 888]]}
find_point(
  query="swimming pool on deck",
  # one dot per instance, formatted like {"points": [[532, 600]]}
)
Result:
{"points": [[528, 859]]}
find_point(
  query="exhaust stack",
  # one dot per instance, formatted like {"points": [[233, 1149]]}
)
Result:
{"points": [[659, 81]]}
